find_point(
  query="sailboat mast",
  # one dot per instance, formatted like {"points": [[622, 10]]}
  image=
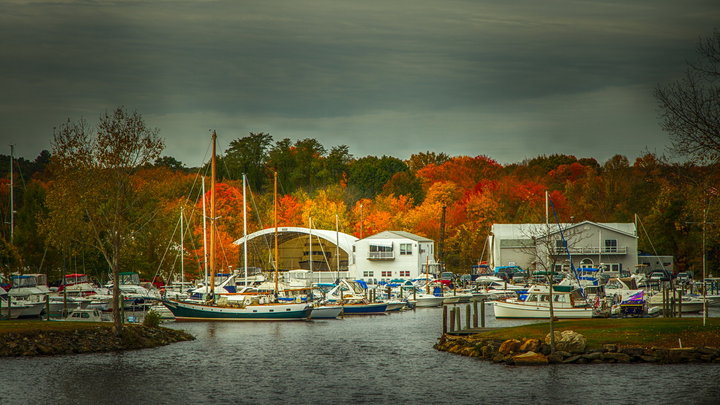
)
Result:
{"points": [[205, 242], [182, 248], [277, 257], [212, 217], [12, 194], [245, 230], [337, 246]]}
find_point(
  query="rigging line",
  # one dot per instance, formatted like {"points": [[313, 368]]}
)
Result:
{"points": [[567, 249], [222, 247], [649, 240], [167, 248]]}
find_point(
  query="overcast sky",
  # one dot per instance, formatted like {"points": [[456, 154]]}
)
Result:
{"points": [[507, 79]]}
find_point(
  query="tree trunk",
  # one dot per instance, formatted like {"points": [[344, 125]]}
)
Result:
{"points": [[117, 303]]}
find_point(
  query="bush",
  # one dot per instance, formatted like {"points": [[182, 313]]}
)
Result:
{"points": [[152, 319]]}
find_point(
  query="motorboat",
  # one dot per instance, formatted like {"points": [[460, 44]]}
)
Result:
{"points": [[568, 303]]}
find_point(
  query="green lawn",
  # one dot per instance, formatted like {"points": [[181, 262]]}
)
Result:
{"points": [[646, 332], [21, 326]]}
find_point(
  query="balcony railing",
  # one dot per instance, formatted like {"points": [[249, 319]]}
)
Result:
{"points": [[381, 256], [590, 251]]}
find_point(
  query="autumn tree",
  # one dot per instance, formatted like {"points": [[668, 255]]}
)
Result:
{"points": [[419, 160], [690, 106], [92, 199]]}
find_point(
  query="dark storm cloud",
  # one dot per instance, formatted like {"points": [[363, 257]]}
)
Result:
{"points": [[507, 79]]}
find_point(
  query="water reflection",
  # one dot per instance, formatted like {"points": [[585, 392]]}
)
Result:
{"points": [[386, 359]]}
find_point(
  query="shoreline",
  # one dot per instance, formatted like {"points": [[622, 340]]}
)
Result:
{"points": [[535, 352], [49, 340], [631, 340]]}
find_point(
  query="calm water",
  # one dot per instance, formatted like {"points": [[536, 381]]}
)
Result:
{"points": [[380, 359]]}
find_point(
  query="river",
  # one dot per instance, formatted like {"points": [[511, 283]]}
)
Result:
{"points": [[372, 359]]}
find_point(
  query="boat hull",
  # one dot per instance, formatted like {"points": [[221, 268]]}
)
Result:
{"points": [[427, 302], [267, 312], [516, 310], [365, 309], [326, 312]]}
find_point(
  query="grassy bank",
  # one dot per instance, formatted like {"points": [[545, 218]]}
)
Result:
{"points": [[642, 332], [35, 337]]}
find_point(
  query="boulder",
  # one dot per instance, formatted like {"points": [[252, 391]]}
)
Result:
{"points": [[633, 351], [509, 346], [610, 347], [530, 359], [530, 345], [568, 341], [616, 357]]}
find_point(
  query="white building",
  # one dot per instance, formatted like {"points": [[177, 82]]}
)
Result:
{"points": [[392, 255], [332, 255], [612, 246]]}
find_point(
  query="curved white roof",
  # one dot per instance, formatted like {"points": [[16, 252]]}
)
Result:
{"points": [[343, 240]]}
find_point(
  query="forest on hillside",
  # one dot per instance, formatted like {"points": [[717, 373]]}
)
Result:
{"points": [[670, 202], [105, 200]]}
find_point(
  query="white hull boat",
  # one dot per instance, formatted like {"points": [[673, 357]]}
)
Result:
{"points": [[567, 304], [326, 312]]}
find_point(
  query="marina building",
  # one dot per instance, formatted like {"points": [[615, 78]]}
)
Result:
{"points": [[611, 246], [331, 255]]}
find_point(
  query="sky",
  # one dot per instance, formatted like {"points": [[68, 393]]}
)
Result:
{"points": [[511, 80]]}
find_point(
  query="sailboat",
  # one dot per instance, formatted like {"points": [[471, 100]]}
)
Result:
{"points": [[226, 309]]}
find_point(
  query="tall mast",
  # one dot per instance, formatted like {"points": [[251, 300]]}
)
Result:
{"points": [[337, 246], [212, 217], [12, 195], [310, 250], [245, 231], [205, 243], [277, 257], [182, 248]]}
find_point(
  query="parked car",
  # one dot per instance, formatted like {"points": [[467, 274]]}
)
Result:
{"points": [[685, 277], [660, 275]]}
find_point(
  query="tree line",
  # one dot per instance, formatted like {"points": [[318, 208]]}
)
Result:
{"points": [[105, 199]]}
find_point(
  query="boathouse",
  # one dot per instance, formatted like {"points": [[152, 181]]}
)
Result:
{"points": [[611, 246], [327, 253]]}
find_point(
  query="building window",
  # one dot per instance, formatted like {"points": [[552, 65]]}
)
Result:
{"points": [[368, 273], [405, 248], [613, 266], [386, 274], [404, 273], [611, 245], [560, 244]]}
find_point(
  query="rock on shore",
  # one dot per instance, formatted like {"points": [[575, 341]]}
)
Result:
{"points": [[537, 352], [87, 340]]}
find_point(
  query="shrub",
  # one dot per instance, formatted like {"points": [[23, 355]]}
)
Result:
{"points": [[152, 319]]}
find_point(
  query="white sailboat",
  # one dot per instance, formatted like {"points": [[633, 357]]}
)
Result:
{"points": [[228, 309]]}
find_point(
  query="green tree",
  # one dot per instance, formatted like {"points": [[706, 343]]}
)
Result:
{"points": [[170, 162], [92, 198], [368, 175], [249, 155]]}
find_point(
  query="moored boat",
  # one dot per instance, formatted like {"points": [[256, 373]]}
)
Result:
{"points": [[567, 304], [326, 312], [187, 311]]}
